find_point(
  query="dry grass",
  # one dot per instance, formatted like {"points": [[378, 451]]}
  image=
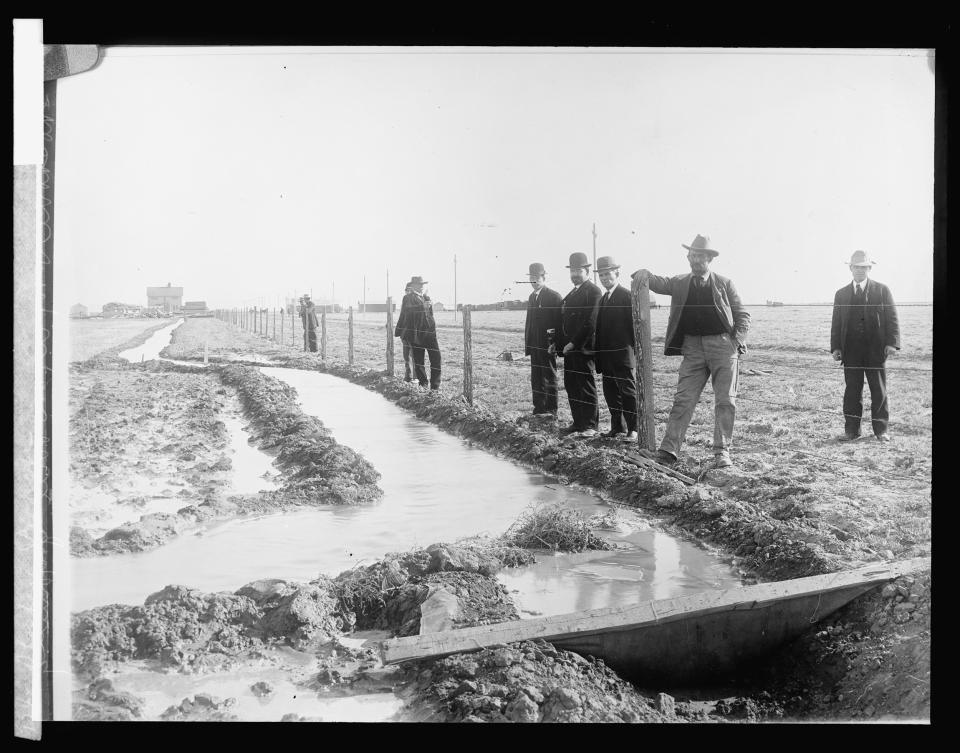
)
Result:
{"points": [[88, 337], [552, 526]]}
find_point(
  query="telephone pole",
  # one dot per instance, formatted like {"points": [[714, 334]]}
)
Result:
{"points": [[454, 287], [594, 253]]}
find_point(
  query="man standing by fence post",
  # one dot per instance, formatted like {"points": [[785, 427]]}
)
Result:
{"points": [[864, 332], [540, 330], [400, 332], [708, 327], [308, 315], [616, 356], [579, 317], [417, 326]]}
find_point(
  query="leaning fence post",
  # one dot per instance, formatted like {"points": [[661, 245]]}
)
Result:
{"points": [[389, 336], [646, 432], [350, 337], [323, 335], [467, 357]]}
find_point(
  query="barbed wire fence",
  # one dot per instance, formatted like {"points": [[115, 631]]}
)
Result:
{"points": [[486, 365]]}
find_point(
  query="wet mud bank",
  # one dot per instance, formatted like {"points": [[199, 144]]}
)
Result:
{"points": [[145, 436]]}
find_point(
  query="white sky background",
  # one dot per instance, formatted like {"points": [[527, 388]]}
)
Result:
{"points": [[247, 174]]}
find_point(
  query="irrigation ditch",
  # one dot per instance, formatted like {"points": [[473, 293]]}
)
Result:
{"points": [[319, 633]]}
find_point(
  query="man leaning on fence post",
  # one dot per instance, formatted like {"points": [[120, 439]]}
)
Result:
{"points": [[308, 315], [539, 333], [708, 327], [864, 332]]}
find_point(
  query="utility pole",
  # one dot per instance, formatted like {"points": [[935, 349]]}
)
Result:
{"points": [[364, 296], [454, 287], [594, 253]]}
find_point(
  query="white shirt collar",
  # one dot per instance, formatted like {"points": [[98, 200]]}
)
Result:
{"points": [[704, 277], [614, 287], [863, 285]]}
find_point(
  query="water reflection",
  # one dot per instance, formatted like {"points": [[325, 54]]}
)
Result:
{"points": [[151, 348]]}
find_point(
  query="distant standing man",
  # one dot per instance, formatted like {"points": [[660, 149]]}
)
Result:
{"points": [[579, 319], [407, 349], [616, 355], [308, 315], [865, 332], [708, 327], [417, 326], [540, 331]]}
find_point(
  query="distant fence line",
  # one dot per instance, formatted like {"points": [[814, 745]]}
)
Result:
{"points": [[286, 328]]}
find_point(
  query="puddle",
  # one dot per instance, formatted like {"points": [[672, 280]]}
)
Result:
{"points": [[150, 349], [251, 470]]}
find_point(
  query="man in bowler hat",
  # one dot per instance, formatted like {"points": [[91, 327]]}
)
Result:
{"points": [[616, 356], [865, 331], [416, 325], [579, 318], [542, 325], [708, 326]]}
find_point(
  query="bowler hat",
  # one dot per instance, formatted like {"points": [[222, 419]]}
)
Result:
{"points": [[537, 269], [606, 262], [417, 280], [701, 244], [578, 259], [860, 259]]}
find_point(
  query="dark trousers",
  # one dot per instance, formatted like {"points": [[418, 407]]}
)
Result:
{"points": [[431, 346], [543, 381], [853, 398], [311, 340], [407, 361], [581, 390], [620, 392]]}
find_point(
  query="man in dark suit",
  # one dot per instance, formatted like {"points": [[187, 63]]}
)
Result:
{"points": [[539, 336], [864, 332], [708, 326], [407, 349], [308, 315], [416, 325], [579, 319], [616, 356]]}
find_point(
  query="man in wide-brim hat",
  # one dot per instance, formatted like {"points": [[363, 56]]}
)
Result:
{"points": [[864, 332], [543, 322], [579, 320], [708, 326], [616, 357], [416, 327]]}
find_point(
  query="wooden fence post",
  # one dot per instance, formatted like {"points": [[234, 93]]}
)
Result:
{"points": [[274, 338], [389, 336], [323, 335], [282, 319], [350, 337], [467, 357], [646, 432]]}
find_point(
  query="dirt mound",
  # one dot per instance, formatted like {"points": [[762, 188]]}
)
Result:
{"points": [[523, 682]]}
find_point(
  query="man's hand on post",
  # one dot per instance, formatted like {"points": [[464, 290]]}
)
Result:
{"points": [[836, 355], [567, 348], [642, 276]]}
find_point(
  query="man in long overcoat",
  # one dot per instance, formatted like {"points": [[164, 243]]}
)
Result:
{"points": [[708, 326], [308, 316], [616, 355], [864, 332], [540, 331], [416, 325], [579, 317]]}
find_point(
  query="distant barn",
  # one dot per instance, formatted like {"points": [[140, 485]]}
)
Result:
{"points": [[79, 311], [168, 299], [195, 308]]}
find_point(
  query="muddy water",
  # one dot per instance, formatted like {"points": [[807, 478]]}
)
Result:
{"points": [[151, 348], [436, 488]]}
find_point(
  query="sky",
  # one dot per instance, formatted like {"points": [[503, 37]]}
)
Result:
{"points": [[246, 175]]}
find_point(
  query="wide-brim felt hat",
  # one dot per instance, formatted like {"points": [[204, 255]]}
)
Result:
{"points": [[860, 259], [578, 259], [416, 280], [537, 269], [605, 263], [701, 244]]}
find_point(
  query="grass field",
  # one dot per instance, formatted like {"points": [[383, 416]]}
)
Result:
{"points": [[88, 337]]}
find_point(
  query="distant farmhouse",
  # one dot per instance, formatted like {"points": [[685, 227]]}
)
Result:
{"points": [[195, 308], [168, 299], [79, 311], [437, 306]]}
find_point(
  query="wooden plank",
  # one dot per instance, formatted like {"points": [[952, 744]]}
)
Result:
{"points": [[643, 462], [646, 431], [658, 612]]}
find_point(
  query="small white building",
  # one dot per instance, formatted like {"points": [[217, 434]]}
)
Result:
{"points": [[79, 311]]}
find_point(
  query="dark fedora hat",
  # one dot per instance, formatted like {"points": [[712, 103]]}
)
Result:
{"points": [[537, 269], [606, 262], [702, 244], [578, 259], [417, 280]]}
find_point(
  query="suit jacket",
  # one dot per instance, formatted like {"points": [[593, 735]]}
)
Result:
{"points": [[308, 315], [543, 313], [579, 316], [415, 323], [725, 298], [882, 324], [614, 341]]}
